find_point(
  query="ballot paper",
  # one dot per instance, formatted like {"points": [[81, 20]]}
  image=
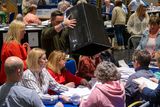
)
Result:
{"points": [[122, 63], [82, 91], [149, 83]]}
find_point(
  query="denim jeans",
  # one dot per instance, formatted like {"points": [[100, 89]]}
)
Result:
{"points": [[119, 32]]}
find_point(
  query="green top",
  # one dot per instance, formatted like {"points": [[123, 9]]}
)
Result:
{"points": [[2, 17], [52, 40]]}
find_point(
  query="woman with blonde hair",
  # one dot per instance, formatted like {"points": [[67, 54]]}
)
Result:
{"points": [[12, 46], [56, 67], [138, 21], [36, 77]]}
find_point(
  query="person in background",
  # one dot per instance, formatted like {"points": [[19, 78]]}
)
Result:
{"points": [[150, 40], [37, 78], [31, 17], [133, 5], [12, 46], [107, 9], [123, 6], [119, 23], [138, 21], [26, 4], [87, 66], [56, 68], [141, 61], [111, 92], [81, 1], [12, 94], [56, 36], [158, 3], [63, 5], [19, 17]]}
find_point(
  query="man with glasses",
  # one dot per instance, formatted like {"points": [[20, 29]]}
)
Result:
{"points": [[56, 36]]}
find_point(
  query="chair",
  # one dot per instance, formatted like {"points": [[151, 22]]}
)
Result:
{"points": [[134, 40], [71, 66], [140, 104]]}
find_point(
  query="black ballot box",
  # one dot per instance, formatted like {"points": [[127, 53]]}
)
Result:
{"points": [[88, 37]]}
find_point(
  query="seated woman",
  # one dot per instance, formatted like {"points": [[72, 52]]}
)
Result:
{"points": [[108, 94], [150, 40], [87, 66], [12, 46], [36, 77], [56, 68], [31, 17]]}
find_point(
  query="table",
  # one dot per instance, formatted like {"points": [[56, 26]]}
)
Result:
{"points": [[65, 104]]}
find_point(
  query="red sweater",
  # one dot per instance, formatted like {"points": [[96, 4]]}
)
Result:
{"points": [[11, 49], [65, 77]]}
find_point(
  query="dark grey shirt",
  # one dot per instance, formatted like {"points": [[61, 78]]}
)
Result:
{"points": [[14, 95]]}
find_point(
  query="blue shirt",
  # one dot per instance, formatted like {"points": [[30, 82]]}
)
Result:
{"points": [[14, 95]]}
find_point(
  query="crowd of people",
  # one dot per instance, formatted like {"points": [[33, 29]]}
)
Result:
{"points": [[29, 76]]}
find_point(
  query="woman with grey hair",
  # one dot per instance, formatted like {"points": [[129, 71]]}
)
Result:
{"points": [[111, 92]]}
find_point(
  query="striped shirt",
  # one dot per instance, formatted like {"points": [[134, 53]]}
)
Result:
{"points": [[41, 82]]}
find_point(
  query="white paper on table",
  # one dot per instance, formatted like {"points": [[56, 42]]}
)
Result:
{"points": [[82, 92], [149, 83], [122, 63], [125, 72], [33, 39], [93, 82]]}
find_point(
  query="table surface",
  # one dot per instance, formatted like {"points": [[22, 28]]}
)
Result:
{"points": [[65, 104]]}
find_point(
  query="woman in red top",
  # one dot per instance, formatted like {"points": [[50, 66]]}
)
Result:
{"points": [[12, 46], [56, 67]]}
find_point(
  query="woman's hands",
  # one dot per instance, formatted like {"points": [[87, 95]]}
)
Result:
{"points": [[70, 84], [85, 83], [26, 46]]}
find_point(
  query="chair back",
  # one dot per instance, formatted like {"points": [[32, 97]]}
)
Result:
{"points": [[71, 66], [134, 39]]}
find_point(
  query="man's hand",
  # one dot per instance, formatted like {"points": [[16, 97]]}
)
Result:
{"points": [[71, 23], [141, 86]]}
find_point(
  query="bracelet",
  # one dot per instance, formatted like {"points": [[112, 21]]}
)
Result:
{"points": [[62, 24]]}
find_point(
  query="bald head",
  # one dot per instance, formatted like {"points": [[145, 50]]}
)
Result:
{"points": [[12, 65]]}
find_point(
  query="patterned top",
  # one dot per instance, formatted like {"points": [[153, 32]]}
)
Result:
{"points": [[41, 82]]}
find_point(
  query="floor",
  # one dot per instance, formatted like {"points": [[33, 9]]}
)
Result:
{"points": [[125, 55]]}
